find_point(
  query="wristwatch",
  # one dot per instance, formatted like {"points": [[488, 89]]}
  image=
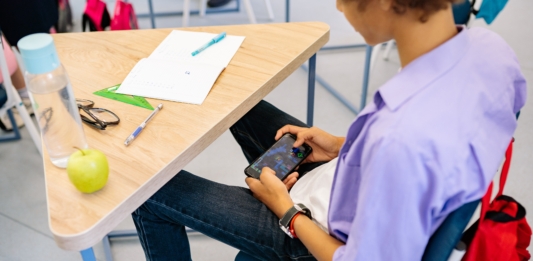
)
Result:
{"points": [[285, 221]]}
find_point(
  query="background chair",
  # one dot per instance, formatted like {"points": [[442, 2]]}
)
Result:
{"points": [[202, 11], [12, 99]]}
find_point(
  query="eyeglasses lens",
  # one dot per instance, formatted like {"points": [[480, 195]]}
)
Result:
{"points": [[103, 115], [85, 103]]}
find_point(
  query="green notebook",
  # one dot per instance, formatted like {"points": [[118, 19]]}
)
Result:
{"points": [[129, 99]]}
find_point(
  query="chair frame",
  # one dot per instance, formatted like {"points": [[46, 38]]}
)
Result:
{"points": [[202, 11], [13, 99]]}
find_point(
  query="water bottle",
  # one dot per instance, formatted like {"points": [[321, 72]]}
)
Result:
{"points": [[53, 99]]}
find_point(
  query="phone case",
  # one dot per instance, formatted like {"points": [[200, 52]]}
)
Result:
{"points": [[307, 147]]}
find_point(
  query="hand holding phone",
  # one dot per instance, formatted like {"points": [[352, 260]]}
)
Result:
{"points": [[280, 157], [325, 146]]}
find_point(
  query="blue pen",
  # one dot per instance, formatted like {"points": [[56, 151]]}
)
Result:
{"points": [[143, 124], [215, 40]]}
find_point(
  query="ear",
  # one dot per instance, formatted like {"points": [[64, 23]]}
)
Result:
{"points": [[385, 5]]}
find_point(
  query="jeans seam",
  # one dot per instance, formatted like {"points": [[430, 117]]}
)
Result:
{"points": [[250, 137], [145, 240], [210, 225]]}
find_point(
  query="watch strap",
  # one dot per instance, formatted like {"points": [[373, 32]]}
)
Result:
{"points": [[285, 221], [291, 226]]}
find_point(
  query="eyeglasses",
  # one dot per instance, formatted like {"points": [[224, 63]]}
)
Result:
{"points": [[96, 117]]}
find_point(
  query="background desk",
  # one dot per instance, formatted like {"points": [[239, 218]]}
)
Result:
{"points": [[179, 132]]}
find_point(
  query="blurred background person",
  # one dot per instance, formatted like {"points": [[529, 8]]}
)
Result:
{"points": [[19, 18], [18, 81]]}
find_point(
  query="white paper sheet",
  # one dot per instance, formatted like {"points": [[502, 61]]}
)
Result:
{"points": [[170, 80], [172, 73]]}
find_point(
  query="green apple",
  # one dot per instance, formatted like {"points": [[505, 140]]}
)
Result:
{"points": [[88, 170]]}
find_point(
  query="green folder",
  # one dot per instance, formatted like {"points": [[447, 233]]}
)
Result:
{"points": [[110, 93]]}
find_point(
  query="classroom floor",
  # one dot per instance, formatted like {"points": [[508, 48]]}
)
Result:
{"points": [[23, 218]]}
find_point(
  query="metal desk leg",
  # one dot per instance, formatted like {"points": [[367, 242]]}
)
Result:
{"points": [[311, 90], [107, 248], [366, 76], [152, 16], [88, 254], [287, 10]]}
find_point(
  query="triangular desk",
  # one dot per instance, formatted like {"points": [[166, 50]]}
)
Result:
{"points": [[268, 55]]}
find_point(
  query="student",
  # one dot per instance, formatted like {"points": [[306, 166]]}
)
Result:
{"points": [[24, 17], [430, 140], [18, 82]]}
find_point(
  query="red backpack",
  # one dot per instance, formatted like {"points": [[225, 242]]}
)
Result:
{"points": [[96, 16], [502, 232], [124, 17]]}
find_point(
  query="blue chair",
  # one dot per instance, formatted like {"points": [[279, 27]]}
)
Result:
{"points": [[461, 12], [441, 243], [16, 134], [9, 99]]}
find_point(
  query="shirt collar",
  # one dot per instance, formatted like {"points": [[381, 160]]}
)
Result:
{"points": [[424, 70]]}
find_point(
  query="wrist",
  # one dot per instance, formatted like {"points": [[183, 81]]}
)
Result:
{"points": [[291, 225], [284, 207], [287, 222], [340, 142]]}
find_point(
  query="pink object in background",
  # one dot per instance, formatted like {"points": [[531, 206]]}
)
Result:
{"points": [[96, 15], [124, 17], [11, 60]]}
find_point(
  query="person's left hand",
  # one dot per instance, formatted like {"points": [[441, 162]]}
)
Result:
{"points": [[270, 190], [290, 180]]}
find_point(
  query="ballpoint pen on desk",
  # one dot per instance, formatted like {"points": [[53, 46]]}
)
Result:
{"points": [[143, 124], [215, 40]]}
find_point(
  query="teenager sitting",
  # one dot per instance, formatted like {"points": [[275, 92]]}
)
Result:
{"points": [[430, 140]]}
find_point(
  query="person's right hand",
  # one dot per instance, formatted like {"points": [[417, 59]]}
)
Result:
{"points": [[325, 146]]}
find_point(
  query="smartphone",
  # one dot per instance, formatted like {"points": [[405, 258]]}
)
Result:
{"points": [[281, 157]]}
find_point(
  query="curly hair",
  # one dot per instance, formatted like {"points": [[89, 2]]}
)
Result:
{"points": [[428, 7]]}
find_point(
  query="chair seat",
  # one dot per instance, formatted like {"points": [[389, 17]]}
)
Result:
{"points": [[446, 237], [3, 95]]}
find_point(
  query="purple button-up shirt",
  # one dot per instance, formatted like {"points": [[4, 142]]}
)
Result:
{"points": [[431, 141]]}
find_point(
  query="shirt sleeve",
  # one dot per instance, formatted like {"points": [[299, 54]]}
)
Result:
{"points": [[10, 58], [394, 205]]}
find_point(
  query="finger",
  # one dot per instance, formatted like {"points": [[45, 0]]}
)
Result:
{"points": [[268, 177], [301, 137], [293, 175], [252, 183], [290, 182], [288, 128], [267, 170]]}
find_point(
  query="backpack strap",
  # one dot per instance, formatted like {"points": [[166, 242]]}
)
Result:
{"points": [[505, 169], [485, 201]]}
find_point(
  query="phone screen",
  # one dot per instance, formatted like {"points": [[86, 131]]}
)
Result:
{"points": [[281, 157]]}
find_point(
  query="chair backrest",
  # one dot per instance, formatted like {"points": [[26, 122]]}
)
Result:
{"points": [[461, 12], [446, 237]]}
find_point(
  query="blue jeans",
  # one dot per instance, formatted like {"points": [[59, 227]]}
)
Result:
{"points": [[229, 214]]}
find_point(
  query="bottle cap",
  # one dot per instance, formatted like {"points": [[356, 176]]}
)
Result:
{"points": [[38, 53]]}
